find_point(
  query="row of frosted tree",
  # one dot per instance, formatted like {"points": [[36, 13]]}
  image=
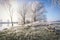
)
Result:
{"points": [[28, 12]]}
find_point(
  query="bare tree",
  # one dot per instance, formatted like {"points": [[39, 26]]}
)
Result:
{"points": [[29, 13], [11, 14], [56, 2], [10, 11], [8, 5], [23, 13], [38, 10]]}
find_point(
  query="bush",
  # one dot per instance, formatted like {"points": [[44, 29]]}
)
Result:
{"points": [[27, 34]]}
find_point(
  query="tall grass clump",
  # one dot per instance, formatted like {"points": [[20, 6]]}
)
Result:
{"points": [[27, 33]]}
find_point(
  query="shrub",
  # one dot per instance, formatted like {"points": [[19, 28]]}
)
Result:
{"points": [[27, 34]]}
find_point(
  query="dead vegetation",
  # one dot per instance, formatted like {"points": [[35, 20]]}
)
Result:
{"points": [[27, 33]]}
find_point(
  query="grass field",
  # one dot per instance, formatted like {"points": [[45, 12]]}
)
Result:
{"points": [[28, 33]]}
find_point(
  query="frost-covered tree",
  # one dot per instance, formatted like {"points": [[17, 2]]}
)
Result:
{"points": [[56, 2], [7, 4], [11, 6], [33, 11], [37, 10], [22, 12]]}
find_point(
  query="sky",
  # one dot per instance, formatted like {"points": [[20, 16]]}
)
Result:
{"points": [[53, 13]]}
